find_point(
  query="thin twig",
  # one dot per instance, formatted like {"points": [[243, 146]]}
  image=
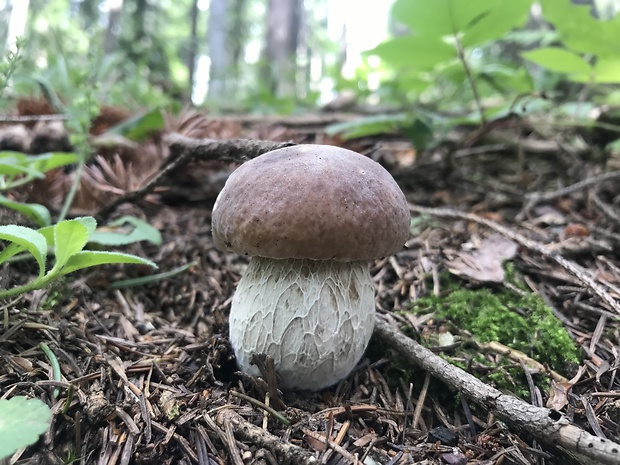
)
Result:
{"points": [[535, 198], [611, 213], [244, 430], [183, 150], [31, 118], [274, 413]]}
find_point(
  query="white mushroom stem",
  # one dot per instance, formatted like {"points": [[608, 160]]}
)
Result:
{"points": [[313, 317]]}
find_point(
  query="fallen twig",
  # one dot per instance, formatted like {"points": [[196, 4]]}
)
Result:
{"points": [[184, 150], [607, 210], [244, 430], [535, 198], [547, 426], [31, 118], [574, 269]]}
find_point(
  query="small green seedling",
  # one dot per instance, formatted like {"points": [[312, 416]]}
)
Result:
{"points": [[125, 230], [17, 169], [22, 421], [67, 240]]}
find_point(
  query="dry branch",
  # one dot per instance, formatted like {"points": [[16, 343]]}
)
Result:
{"points": [[32, 118], [540, 422], [535, 198], [212, 149], [244, 430], [184, 150]]}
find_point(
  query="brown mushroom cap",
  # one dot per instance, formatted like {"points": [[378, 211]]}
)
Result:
{"points": [[311, 202]]}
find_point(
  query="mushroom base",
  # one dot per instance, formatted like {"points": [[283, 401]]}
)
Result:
{"points": [[313, 317]]}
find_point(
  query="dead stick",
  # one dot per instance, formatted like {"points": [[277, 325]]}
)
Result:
{"points": [[183, 150], [574, 269], [244, 430], [535, 198], [547, 426]]}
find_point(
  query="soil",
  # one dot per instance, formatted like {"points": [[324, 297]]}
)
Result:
{"points": [[147, 374]]}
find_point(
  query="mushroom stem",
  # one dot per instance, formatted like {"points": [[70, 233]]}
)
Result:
{"points": [[313, 317]]}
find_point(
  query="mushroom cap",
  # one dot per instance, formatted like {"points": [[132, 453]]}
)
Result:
{"points": [[311, 202]]}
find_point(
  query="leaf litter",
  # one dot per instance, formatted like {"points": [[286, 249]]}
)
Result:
{"points": [[148, 374]]}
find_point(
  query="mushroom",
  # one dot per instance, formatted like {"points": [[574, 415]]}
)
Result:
{"points": [[311, 217]]}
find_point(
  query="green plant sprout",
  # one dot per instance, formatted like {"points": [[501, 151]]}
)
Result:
{"points": [[8, 65], [22, 421], [17, 169], [67, 239]]}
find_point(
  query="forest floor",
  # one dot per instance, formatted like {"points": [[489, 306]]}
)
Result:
{"points": [[148, 374]]}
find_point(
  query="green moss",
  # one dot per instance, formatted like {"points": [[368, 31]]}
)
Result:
{"points": [[523, 323]]}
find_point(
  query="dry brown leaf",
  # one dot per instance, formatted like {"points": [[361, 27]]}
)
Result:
{"points": [[558, 395], [485, 262]]}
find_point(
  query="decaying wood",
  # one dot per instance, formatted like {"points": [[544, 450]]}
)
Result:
{"points": [[244, 430], [212, 149], [573, 268], [547, 426]]}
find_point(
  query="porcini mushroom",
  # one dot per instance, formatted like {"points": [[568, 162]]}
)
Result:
{"points": [[311, 217]]}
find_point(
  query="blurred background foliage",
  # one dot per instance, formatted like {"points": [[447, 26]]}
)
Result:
{"points": [[419, 66]]}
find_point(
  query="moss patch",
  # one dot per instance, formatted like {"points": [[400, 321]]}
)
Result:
{"points": [[523, 323]]}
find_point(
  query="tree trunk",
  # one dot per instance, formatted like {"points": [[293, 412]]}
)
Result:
{"points": [[280, 57], [193, 44], [218, 50], [113, 28], [88, 12], [17, 22], [238, 37], [5, 16]]}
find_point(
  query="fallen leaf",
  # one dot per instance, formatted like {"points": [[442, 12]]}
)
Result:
{"points": [[484, 263], [558, 395]]}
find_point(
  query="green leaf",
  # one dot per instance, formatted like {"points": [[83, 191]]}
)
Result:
{"points": [[503, 16], [52, 160], [420, 132], [90, 258], [126, 230], [606, 71], [49, 232], [88, 222], [139, 127], [22, 421], [579, 30], [34, 211], [70, 237], [13, 167], [24, 238], [558, 59], [442, 18], [369, 126], [16, 158], [420, 53]]}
